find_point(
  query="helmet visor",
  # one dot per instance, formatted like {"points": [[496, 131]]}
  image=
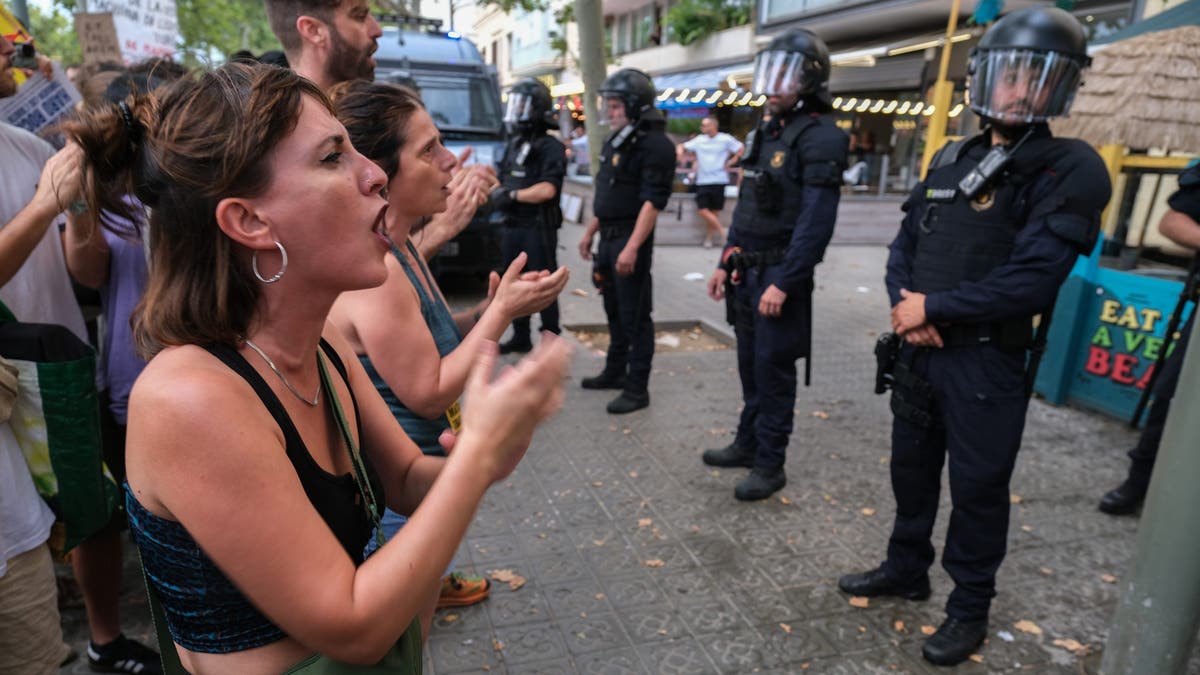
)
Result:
{"points": [[779, 73], [519, 109], [1022, 86]]}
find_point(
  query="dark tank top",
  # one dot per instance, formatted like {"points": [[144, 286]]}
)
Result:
{"points": [[204, 611]]}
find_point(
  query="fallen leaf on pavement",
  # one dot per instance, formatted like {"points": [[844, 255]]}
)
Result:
{"points": [[645, 522], [898, 625], [977, 658], [597, 483], [497, 645], [580, 292], [654, 562], [1026, 626], [786, 628], [1047, 571], [860, 602], [633, 474], [599, 596], [1071, 645], [928, 630], [1108, 578], [820, 414], [868, 511], [450, 618], [509, 577], [1026, 528], [1015, 499], [662, 631], [785, 501], [598, 542]]}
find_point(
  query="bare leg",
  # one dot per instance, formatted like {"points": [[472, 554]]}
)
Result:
{"points": [[712, 223], [97, 566]]}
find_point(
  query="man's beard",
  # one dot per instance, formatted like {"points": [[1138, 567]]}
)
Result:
{"points": [[346, 63]]}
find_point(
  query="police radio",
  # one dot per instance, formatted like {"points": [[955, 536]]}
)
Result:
{"points": [[991, 164]]}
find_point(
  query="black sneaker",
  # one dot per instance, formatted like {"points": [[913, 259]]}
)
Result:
{"points": [[627, 403], [954, 641], [516, 346], [604, 380], [730, 456], [760, 484], [124, 656]]}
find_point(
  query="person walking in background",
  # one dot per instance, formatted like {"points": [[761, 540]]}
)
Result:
{"points": [[783, 221], [986, 240], [637, 168], [715, 153]]}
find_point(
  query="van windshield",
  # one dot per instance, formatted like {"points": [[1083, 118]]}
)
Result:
{"points": [[453, 107]]}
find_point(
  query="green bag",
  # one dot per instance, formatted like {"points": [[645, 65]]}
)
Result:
{"points": [[56, 421]]}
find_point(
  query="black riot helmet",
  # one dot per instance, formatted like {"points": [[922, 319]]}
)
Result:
{"points": [[1027, 67], [529, 106], [635, 89], [796, 62]]}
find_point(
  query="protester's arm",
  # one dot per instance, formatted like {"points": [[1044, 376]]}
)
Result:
{"points": [[57, 189], [86, 251]]}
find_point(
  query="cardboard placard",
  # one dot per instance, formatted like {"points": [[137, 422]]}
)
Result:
{"points": [[98, 38]]}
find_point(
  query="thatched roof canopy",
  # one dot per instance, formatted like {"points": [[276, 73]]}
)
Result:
{"points": [[1143, 92]]}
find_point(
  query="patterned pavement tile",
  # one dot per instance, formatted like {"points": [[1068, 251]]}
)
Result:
{"points": [[530, 642], [680, 657]]}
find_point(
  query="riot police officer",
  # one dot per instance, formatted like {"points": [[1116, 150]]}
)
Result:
{"points": [[986, 240], [531, 175], [637, 168], [781, 225]]}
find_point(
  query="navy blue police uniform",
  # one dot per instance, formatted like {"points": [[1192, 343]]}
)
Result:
{"points": [[533, 228], [784, 219], [1186, 200], [636, 166], [986, 265]]}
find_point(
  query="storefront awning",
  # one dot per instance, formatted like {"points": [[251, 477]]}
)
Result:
{"points": [[705, 78]]}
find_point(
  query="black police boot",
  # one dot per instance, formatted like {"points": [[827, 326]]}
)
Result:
{"points": [[760, 484], [954, 641], [874, 583], [1124, 499], [605, 380], [627, 402], [730, 455], [517, 345]]}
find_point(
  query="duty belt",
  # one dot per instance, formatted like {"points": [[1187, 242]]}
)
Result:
{"points": [[1005, 334], [614, 230], [744, 260]]}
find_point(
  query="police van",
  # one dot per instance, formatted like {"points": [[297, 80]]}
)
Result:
{"points": [[462, 95]]}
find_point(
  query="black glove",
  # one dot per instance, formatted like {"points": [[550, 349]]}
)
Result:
{"points": [[502, 198]]}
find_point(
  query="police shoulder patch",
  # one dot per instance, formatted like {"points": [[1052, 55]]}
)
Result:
{"points": [[777, 159]]}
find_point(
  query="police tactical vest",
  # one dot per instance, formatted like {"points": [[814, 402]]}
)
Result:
{"points": [[519, 170], [961, 240], [619, 178], [770, 199]]}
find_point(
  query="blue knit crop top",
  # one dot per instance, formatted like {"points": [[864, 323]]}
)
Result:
{"points": [[205, 612]]}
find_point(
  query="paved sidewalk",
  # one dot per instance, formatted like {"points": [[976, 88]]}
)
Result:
{"points": [[638, 559]]}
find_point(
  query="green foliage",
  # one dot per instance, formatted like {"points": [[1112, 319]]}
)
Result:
{"points": [[693, 20], [684, 127], [509, 5], [210, 30], [54, 31]]}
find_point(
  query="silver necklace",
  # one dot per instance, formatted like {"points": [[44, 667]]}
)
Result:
{"points": [[316, 397]]}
